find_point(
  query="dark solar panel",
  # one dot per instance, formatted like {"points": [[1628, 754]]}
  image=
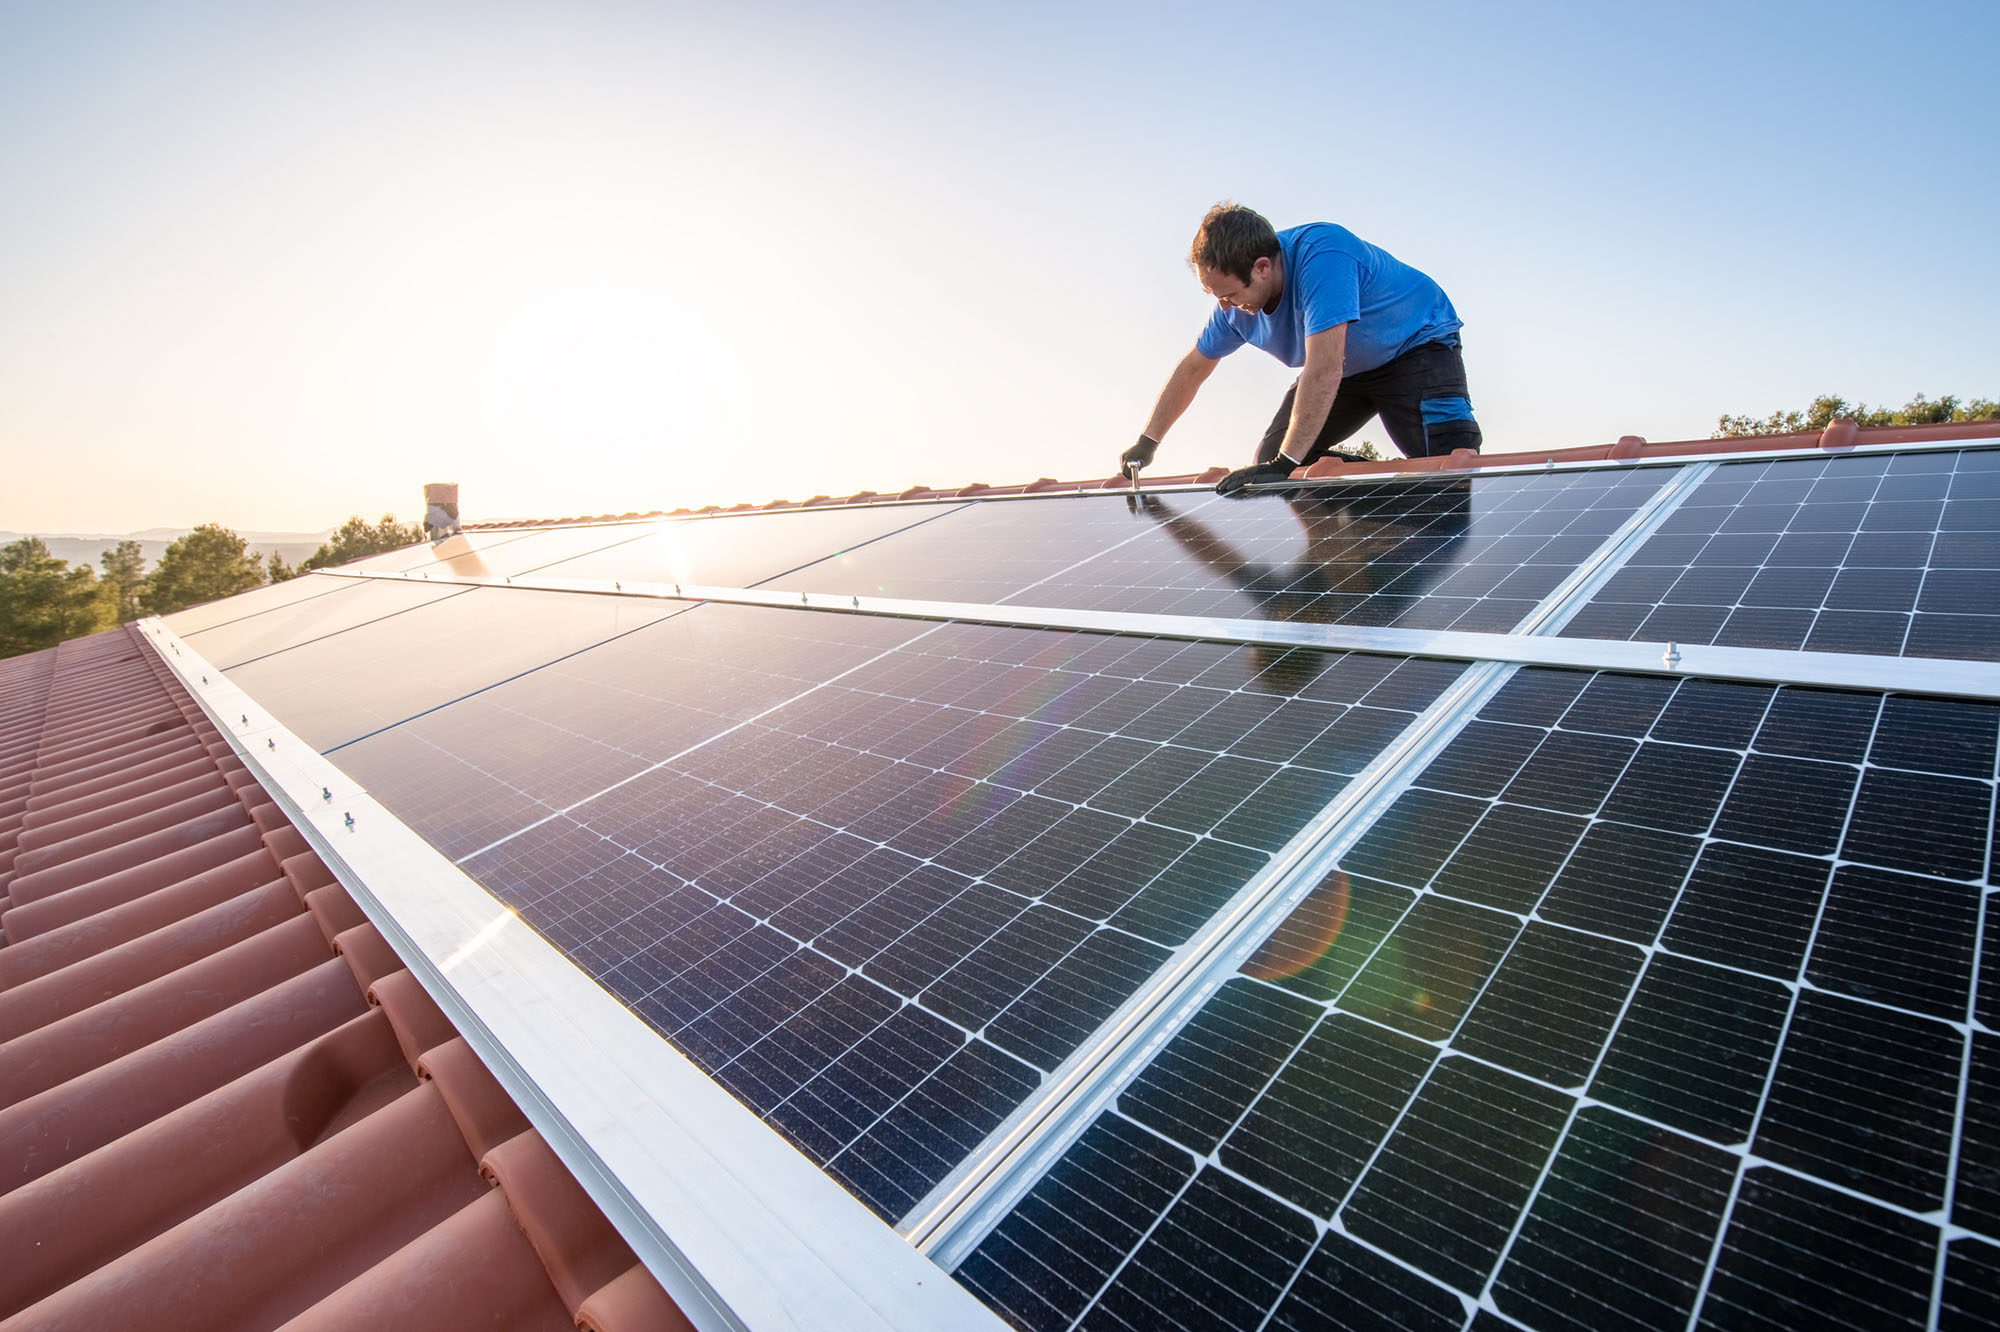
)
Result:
{"points": [[882, 912], [1424, 553], [1895, 554], [1648, 1004]]}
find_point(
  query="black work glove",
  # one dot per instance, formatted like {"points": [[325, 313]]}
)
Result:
{"points": [[1139, 455], [1277, 469]]}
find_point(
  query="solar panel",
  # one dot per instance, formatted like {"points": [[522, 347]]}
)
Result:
{"points": [[335, 689], [882, 911], [253, 636], [1648, 1001], [500, 554], [488, 765], [460, 546], [742, 550], [1875, 553], [1422, 553], [306, 587]]}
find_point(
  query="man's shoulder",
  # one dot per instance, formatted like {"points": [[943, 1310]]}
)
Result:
{"points": [[1317, 235]]}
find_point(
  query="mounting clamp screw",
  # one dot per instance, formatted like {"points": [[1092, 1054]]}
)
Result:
{"points": [[1673, 654], [805, 599], [326, 793], [243, 717], [857, 603], [350, 820], [270, 744]]}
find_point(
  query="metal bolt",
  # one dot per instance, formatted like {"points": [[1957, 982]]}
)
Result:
{"points": [[350, 820], [617, 586], [243, 717], [1673, 654], [857, 603], [270, 744], [804, 599], [326, 793]]}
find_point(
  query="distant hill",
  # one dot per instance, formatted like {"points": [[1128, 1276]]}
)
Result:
{"points": [[153, 542]]}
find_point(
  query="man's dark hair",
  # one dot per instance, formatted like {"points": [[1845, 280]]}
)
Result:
{"points": [[1231, 239]]}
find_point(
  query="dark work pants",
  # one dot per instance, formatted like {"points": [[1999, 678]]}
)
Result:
{"points": [[1420, 396]]}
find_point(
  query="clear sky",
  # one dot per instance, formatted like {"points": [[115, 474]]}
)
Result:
{"points": [[273, 263]]}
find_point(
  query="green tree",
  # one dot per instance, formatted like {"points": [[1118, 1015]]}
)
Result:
{"points": [[278, 570], [356, 539], [1829, 407], [207, 563], [43, 601], [125, 571]]}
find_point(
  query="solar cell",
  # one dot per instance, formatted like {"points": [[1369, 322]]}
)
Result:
{"points": [[1420, 553], [1646, 1004], [1875, 553]]}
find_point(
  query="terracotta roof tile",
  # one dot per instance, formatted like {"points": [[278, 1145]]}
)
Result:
{"points": [[223, 1101]]}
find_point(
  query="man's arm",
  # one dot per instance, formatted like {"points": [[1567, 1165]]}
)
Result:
{"points": [[1186, 380], [1326, 354]]}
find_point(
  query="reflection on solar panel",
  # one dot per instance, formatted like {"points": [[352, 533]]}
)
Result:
{"points": [[1644, 992], [1881, 553], [1425, 553], [1154, 982]]}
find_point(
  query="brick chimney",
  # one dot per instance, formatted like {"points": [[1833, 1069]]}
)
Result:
{"points": [[440, 509]]}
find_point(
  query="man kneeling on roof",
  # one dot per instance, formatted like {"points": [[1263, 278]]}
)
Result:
{"points": [[1371, 336]]}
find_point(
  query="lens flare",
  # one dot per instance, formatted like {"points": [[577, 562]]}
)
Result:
{"points": [[1306, 936]]}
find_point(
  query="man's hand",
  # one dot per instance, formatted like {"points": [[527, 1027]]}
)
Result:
{"points": [[1277, 469], [1139, 455]]}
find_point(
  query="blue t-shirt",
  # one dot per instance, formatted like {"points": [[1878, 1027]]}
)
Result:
{"points": [[1333, 277]]}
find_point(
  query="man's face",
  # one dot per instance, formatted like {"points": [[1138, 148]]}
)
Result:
{"points": [[1257, 296]]}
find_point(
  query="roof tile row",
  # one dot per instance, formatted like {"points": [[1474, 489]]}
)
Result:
{"points": [[224, 1103]]}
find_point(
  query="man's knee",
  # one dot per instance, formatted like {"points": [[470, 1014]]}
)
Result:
{"points": [[1448, 425]]}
